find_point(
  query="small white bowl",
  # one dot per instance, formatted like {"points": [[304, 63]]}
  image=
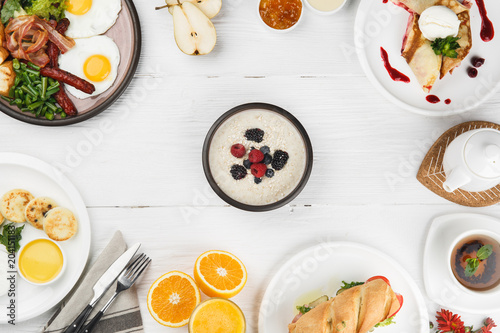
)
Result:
{"points": [[457, 239], [281, 30], [61, 272], [322, 12]]}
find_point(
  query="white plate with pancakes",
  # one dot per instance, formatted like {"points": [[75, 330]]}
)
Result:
{"points": [[380, 24], [320, 270], [41, 179]]}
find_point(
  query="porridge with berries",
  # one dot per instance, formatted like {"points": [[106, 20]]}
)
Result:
{"points": [[257, 157]]}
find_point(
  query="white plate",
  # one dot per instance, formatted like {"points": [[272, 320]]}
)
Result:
{"points": [[384, 25], [319, 270], [41, 179], [438, 282]]}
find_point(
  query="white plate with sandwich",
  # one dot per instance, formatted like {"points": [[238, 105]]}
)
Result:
{"points": [[320, 270], [41, 179], [384, 25]]}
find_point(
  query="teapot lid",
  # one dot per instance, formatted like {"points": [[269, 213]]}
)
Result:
{"points": [[482, 153]]}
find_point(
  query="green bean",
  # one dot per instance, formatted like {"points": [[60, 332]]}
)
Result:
{"points": [[32, 92], [44, 87], [35, 105], [51, 106], [52, 91]]}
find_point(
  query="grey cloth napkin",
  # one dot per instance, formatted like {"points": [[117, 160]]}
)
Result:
{"points": [[123, 315]]}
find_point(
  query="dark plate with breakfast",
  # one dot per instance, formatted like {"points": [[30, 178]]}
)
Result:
{"points": [[63, 62]]}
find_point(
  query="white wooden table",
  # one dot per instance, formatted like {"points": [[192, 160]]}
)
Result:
{"points": [[138, 164]]}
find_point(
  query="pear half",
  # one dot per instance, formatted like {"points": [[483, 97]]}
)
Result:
{"points": [[209, 7], [193, 31]]}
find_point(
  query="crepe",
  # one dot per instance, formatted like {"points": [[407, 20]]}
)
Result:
{"points": [[356, 310], [417, 50]]}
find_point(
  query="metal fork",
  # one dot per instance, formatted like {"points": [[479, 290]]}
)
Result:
{"points": [[125, 281]]}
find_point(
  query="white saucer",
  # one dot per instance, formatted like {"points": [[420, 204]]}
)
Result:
{"points": [[438, 283]]}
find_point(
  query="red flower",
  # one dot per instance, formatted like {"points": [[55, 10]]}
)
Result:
{"points": [[488, 325], [449, 322]]}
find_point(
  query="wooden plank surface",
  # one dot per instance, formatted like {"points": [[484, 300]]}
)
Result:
{"points": [[138, 164]]}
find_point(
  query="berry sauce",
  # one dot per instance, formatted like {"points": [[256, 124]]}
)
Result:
{"points": [[487, 30], [448, 101], [394, 73], [433, 99], [385, 1]]}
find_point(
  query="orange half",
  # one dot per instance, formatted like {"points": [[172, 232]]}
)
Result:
{"points": [[220, 274], [172, 298]]}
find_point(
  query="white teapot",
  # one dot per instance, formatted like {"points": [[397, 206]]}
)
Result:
{"points": [[472, 161]]}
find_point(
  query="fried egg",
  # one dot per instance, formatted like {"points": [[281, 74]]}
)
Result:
{"points": [[94, 59], [91, 17]]}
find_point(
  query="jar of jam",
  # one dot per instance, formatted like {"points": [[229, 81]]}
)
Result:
{"points": [[280, 14]]}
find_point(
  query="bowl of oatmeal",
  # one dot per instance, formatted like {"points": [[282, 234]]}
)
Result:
{"points": [[257, 157]]}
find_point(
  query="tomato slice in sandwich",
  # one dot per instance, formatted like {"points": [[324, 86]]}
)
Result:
{"points": [[400, 300], [398, 296], [379, 277]]}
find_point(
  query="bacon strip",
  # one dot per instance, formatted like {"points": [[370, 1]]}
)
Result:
{"points": [[27, 37], [68, 78]]}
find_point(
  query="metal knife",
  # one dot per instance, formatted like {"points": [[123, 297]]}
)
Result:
{"points": [[102, 285]]}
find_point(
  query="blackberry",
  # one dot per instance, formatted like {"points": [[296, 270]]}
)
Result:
{"points": [[279, 160], [257, 180], [269, 173], [238, 171], [254, 134], [265, 150], [247, 164], [267, 159]]}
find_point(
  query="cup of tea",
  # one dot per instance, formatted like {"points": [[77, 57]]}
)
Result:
{"points": [[475, 262]]}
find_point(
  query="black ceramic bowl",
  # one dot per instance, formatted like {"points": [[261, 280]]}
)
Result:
{"points": [[263, 106], [126, 33]]}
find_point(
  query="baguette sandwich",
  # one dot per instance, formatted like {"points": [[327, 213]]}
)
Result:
{"points": [[354, 310]]}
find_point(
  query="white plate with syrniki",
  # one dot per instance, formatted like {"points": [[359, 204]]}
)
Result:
{"points": [[43, 180]]}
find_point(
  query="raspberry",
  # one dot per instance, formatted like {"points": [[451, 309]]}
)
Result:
{"points": [[254, 134], [238, 171], [255, 156], [259, 170], [279, 160], [238, 150]]}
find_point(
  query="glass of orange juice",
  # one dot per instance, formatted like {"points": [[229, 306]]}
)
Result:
{"points": [[217, 315]]}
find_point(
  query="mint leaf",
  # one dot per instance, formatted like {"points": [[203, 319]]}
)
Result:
{"points": [[446, 46], [471, 268], [484, 252]]}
